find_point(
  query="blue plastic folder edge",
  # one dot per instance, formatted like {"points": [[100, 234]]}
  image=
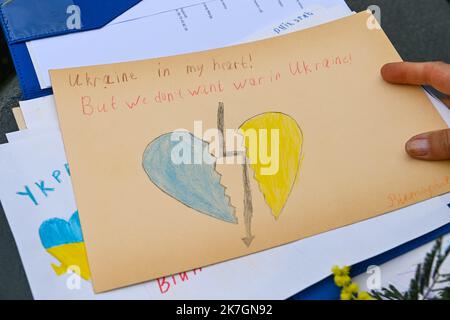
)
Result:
{"points": [[327, 290]]}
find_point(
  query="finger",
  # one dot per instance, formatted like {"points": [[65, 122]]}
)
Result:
{"points": [[435, 74], [433, 145]]}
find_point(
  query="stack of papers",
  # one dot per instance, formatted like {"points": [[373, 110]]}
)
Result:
{"points": [[36, 189]]}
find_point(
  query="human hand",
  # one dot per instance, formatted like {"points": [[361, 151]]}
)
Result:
{"points": [[434, 145]]}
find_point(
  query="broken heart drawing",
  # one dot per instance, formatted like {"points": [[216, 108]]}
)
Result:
{"points": [[271, 149]]}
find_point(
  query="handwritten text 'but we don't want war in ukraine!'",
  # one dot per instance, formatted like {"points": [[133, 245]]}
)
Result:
{"points": [[89, 105]]}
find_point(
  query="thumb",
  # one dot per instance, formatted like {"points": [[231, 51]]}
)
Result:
{"points": [[434, 145]]}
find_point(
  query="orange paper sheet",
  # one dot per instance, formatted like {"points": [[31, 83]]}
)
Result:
{"points": [[340, 128]]}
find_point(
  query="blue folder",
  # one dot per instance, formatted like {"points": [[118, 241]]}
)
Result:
{"points": [[25, 20]]}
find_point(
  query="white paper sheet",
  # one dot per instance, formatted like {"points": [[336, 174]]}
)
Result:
{"points": [[199, 27], [300, 21], [29, 134]]}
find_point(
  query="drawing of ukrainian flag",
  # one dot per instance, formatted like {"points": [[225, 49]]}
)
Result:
{"points": [[64, 241]]}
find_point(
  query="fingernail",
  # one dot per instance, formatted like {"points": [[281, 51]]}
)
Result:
{"points": [[419, 147]]}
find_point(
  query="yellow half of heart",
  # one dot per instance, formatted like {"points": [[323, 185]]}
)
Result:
{"points": [[273, 143]]}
